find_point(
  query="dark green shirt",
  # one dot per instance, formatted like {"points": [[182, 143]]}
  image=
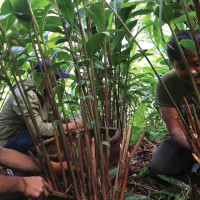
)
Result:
{"points": [[178, 89]]}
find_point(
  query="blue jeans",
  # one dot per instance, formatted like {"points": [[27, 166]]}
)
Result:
{"points": [[21, 142]]}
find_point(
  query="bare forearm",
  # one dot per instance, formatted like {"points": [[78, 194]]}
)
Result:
{"points": [[11, 184], [17, 161]]}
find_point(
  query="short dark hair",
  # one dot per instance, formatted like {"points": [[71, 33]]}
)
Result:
{"points": [[172, 49]]}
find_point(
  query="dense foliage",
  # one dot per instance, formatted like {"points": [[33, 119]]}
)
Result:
{"points": [[115, 53]]}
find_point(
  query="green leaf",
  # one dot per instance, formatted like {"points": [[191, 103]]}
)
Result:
{"points": [[139, 122], [21, 10], [44, 17], [112, 173], [167, 14], [36, 5], [117, 42], [115, 4], [188, 44], [21, 61], [141, 12], [176, 182], [98, 19], [5, 16], [38, 79], [67, 10], [92, 122], [2, 78], [129, 4], [183, 18], [55, 123], [99, 65], [95, 43], [105, 143], [54, 66], [17, 51], [7, 19]]}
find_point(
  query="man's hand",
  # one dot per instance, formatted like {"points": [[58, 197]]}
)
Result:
{"points": [[75, 125], [36, 187]]}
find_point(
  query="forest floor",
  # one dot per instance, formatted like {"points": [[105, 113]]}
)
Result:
{"points": [[139, 181]]}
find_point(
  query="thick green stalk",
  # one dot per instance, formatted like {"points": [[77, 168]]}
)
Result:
{"points": [[107, 180], [97, 128]]}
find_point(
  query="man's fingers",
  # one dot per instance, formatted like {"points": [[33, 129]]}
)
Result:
{"points": [[46, 192], [48, 187]]}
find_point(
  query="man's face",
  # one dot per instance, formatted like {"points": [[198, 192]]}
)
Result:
{"points": [[194, 66]]}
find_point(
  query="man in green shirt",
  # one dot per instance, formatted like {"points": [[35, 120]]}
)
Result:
{"points": [[13, 130], [173, 156]]}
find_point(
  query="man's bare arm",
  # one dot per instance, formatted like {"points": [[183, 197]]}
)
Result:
{"points": [[34, 187], [17, 161], [169, 115]]}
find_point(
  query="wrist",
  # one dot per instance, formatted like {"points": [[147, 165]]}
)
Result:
{"points": [[22, 186]]}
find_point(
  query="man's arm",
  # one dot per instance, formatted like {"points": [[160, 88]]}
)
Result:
{"points": [[17, 161], [34, 187], [169, 115]]}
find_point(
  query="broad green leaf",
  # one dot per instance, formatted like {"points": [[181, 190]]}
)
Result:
{"points": [[98, 19], [176, 182], [17, 51], [116, 4], [55, 65], [117, 42], [95, 43], [50, 24], [183, 18], [5, 16], [167, 14], [188, 44], [21, 10], [36, 5], [21, 61], [67, 10], [7, 19], [141, 12], [99, 65], [44, 17], [129, 4]]}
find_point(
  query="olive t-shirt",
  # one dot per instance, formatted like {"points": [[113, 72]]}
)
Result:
{"points": [[178, 89]]}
